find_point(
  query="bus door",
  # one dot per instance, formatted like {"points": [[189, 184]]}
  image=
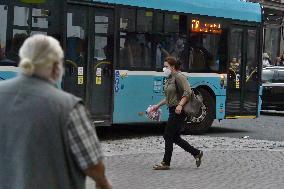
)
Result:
{"points": [[242, 79], [76, 51], [251, 79], [102, 67]]}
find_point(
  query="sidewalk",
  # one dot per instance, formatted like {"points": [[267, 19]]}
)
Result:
{"points": [[230, 164]]}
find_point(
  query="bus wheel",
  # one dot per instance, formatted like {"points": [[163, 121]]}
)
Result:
{"points": [[204, 119]]}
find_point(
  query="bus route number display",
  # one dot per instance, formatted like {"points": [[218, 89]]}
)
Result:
{"points": [[205, 27]]}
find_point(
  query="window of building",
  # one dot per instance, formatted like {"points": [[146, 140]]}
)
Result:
{"points": [[271, 47]]}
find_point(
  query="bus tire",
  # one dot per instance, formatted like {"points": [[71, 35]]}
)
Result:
{"points": [[204, 119]]}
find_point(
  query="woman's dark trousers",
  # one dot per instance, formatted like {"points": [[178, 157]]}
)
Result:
{"points": [[172, 135]]}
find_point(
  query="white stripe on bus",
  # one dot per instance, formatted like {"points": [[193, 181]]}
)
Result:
{"points": [[9, 69], [154, 73]]}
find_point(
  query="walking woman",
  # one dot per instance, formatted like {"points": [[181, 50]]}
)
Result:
{"points": [[176, 82]]}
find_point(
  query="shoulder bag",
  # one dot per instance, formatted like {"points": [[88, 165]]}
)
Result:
{"points": [[193, 105]]}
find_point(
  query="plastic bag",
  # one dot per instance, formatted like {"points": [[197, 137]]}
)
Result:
{"points": [[153, 115]]}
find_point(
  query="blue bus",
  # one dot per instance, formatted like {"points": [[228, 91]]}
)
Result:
{"points": [[115, 50]]}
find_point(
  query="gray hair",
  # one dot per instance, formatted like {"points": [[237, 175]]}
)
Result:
{"points": [[38, 54]]}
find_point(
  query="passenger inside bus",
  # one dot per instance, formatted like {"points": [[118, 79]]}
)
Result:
{"points": [[17, 42], [5, 61], [234, 65], [125, 54], [74, 50], [135, 52], [200, 58], [161, 51], [170, 45]]}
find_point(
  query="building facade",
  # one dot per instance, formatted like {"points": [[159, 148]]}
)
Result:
{"points": [[273, 15]]}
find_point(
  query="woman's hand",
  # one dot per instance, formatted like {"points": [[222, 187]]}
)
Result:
{"points": [[178, 109], [155, 107]]}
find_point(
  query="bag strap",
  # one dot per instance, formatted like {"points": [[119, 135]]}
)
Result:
{"points": [[179, 92]]}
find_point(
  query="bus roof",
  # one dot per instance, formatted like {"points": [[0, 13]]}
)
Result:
{"points": [[233, 9]]}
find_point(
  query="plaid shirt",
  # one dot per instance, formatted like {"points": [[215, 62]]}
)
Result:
{"points": [[83, 139]]}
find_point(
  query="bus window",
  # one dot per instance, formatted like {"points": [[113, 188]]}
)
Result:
{"points": [[159, 23], [135, 50], [172, 23], [29, 21], [236, 49], [21, 16], [3, 23], [204, 52], [173, 41], [170, 45], [251, 66], [144, 20], [127, 20], [39, 18], [207, 45], [251, 79], [135, 46]]}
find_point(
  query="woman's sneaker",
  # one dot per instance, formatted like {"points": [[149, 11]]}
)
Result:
{"points": [[198, 158], [161, 166]]}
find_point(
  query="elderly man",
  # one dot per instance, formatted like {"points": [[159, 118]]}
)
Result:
{"points": [[46, 138]]}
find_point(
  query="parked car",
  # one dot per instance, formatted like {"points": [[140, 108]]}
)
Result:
{"points": [[273, 88]]}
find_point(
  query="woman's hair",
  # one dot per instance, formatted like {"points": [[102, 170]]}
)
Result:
{"points": [[38, 54], [172, 61]]}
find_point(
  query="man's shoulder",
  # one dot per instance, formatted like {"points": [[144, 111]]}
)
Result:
{"points": [[6, 83], [64, 96]]}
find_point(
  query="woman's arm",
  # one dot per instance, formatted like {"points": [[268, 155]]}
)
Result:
{"points": [[183, 85], [162, 103], [183, 101]]}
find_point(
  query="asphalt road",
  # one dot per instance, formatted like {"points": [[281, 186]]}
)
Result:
{"points": [[230, 152], [269, 126]]}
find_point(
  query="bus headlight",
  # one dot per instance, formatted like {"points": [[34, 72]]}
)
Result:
{"points": [[223, 81]]}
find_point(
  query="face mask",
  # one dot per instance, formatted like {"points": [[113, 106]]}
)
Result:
{"points": [[167, 72]]}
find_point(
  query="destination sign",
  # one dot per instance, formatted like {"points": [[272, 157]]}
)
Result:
{"points": [[205, 27]]}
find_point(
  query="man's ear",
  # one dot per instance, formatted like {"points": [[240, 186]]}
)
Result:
{"points": [[55, 71]]}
